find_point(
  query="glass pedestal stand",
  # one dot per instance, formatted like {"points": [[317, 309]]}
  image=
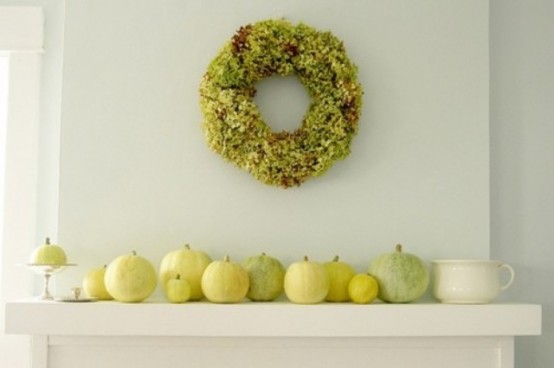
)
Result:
{"points": [[47, 270]]}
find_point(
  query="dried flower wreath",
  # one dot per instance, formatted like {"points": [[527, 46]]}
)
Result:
{"points": [[233, 125]]}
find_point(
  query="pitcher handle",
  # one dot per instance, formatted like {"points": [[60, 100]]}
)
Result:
{"points": [[512, 275]]}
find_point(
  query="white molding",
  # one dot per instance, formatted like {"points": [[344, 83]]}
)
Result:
{"points": [[20, 192], [39, 351], [21, 38], [275, 352], [21, 28], [277, 319]]}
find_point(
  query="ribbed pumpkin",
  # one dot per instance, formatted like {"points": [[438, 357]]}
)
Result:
{"points": [[306, 282], [130, 278], [340, 273], [225, 281], [189, 264]]}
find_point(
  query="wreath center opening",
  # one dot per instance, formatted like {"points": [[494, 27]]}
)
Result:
{"points": [[282, 101]]}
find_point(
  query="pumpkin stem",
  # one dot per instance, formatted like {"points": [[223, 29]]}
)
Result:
{"points": [[399, 248], [226, 258], [305, 258], [134, 252], [336, 259], [187, 246], [178, 277], [263, 254], [47, 241]]}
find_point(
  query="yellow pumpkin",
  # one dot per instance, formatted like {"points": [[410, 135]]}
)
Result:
{"points": [[363, 288], [94, 286], [177, 290], [48, 254], [225, 281], [188, 263], [340, 274], [130, 278], [306, 282]]}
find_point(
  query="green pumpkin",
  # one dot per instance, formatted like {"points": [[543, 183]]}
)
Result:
{"points": [[402, 277], [266, 275]]}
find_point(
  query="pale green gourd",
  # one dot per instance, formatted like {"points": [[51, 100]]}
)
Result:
{"points": [[266, 276], [402, 277]]}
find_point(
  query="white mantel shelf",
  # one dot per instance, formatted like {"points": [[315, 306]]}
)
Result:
{"points": [[272, 335], [271, 319]]}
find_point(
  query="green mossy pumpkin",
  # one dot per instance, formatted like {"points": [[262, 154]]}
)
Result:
{"points": [[402, 277], [266, 275]]}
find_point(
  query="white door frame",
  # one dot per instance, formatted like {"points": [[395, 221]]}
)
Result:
{"points": [[21, 40]]}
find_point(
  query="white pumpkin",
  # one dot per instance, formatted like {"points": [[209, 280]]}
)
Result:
{"points": [[189, 264], [306, 282], [130, 278], [225, 281]]}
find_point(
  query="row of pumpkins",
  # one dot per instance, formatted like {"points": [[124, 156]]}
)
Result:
{"points": [[187, 274]]}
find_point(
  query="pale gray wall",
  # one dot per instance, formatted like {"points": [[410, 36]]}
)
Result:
{"points": [[135, 171], [522, 160]]}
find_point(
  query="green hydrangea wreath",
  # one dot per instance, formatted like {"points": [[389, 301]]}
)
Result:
{"points": [[233, 125]]}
